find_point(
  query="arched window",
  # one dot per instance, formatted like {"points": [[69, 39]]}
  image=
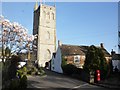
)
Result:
{"points": [[48, 15], [47, 35], [44, 14], [52, 16], [48, 54]]}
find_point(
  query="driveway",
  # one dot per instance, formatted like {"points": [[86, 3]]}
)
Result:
{"points": [[55, 80]]}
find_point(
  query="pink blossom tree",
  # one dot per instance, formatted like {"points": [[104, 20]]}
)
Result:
{"points": [[14, 36]]}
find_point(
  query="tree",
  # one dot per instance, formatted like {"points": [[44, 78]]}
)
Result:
{"points": [[7, 52], [14, 38], [64, 61], [95, 60]]}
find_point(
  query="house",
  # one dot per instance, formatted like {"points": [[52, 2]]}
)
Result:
{"points": [[106, 53], [115, 60], [56, 61], [73, 54]]}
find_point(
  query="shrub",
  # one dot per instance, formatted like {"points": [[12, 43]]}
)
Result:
{"points": [[69, 69], [21, 72], [95, 60], [41, 71], [14, 84], [23, 81], [32, 70]]}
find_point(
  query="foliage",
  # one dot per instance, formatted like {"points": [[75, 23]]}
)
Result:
{"points": [[14, 84], [10, 74], [22, 71], [12, 36], [41, 71], [23, 82], [7, 52], [95, 59], [13, 66], [70, 69], [64, 62], [18, 83], [32, 70]]}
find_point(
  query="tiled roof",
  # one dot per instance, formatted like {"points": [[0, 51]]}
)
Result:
{"points": [[106, 52], [78, 50], [73, 49]]}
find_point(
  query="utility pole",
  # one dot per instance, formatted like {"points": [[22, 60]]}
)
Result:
{"points": [[119, 27]]}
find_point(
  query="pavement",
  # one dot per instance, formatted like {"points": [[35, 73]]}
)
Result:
{"points": [[112, 82], [55, 80]]}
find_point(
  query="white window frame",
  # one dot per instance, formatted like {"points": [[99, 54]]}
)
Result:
{"points": [[77, 57]]}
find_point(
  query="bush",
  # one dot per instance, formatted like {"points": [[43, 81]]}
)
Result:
{"points": [[23, 81], [69, 69], [32, 70], [21, 72], [95, 60], [14, 84]]}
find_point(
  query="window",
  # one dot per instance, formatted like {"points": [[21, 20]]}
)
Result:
{"points": [[47, 35], [44, 14], [52, 16], [77, 59], [35, 42], [48, 15]]}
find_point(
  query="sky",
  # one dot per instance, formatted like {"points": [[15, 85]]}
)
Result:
{"points": [[77, 23]]}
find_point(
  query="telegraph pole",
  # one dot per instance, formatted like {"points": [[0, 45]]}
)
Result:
{"points": [[119, 27]]}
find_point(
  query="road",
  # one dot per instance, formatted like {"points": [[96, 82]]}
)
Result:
{"points": [[54, 80], [0, 79]]}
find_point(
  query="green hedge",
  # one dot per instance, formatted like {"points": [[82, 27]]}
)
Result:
{"points": [[70, 69]]}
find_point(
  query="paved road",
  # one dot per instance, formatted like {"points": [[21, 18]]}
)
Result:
{"points": [[54, 80], [0, 79]]}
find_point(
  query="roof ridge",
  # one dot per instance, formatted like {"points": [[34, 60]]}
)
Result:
{"points": [[74, 45]]}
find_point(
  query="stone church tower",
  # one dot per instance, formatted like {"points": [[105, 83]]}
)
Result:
{"points": [[44, 26]]}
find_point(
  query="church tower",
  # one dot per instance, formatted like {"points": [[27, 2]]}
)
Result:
{"points": [[44, 26]]}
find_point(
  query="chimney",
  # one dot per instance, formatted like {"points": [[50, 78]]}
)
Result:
{"points": [[101, 45], [112, 52], [59, 43]]}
